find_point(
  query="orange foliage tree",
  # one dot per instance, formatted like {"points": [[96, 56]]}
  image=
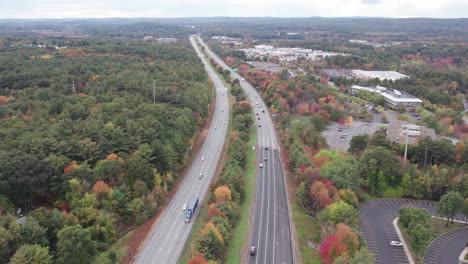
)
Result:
{"points": [[348, 237], [223, 192], [198, 259]]}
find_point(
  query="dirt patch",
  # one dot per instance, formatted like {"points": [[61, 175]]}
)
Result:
{"points": [[137, 240]]}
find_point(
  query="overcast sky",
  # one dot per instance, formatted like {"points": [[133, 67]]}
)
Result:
{"points": [[208, 8]]}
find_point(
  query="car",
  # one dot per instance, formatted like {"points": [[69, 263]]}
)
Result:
{"points": [[259, 118], [257, 113], [203, 158], [215, 128], [266, 148], [396, 243], [200, 176], [343, 136], [253, 251], [243, 79], [184, 207], [259, 125], [265, 159], [224, 122], [340, 130], [261, 165], [263, 111]]}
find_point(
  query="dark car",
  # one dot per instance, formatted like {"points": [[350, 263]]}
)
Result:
{"points": [[263, 111], [253, 251], [259, 118]]}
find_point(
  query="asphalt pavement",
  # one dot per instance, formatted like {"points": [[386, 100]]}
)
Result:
{"points": [[447, 247], [270, 229], [170, 234], [376, 224], [339, 140]]}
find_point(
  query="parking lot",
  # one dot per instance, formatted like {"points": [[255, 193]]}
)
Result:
{"points": [[339, 140], [447, 247]]}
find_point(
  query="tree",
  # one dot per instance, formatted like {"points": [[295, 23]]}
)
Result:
{"points": [[75, 245], [419, 235], [363, 256], [358, 143], [348, 237], [31, 254], [32, 233], [331, 248], [198, 259], [375, 160], [339, 212], [210, 242], [450, 204], [223, 192], [343, 172], [411, 216]]}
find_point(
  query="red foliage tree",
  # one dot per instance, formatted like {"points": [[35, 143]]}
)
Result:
{"points": [[199, 259], [341, 122], [331, 248]]}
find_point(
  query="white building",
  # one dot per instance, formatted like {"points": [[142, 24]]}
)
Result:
{"points": [[381, 75], [393, 98]]}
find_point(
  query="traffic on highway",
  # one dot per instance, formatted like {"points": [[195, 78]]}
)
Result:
{"points": [[167, 239]]}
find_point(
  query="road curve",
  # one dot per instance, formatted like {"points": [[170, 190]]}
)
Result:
{"points": [[271, 227], [169, 236], [447, 247], [376, 224]]}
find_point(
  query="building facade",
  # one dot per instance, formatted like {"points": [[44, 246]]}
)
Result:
{"points": [[393, 98]]}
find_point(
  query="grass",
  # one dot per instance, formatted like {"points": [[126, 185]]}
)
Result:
{"points": [[118, 248], [241, 231], [438, 227], [307, 229]]}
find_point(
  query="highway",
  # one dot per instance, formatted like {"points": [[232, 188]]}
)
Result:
{"points": [[270, 231], [169, 236]]}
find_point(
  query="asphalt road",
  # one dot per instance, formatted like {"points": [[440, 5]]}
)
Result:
{"points": [[168, 237], [270, 231], [447, 247], [376, 224]]}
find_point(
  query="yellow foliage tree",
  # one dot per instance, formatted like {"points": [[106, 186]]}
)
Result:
{"points": [[350, 120], [211, 227], [223, 192]]}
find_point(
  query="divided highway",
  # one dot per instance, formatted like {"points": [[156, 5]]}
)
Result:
{"points": [[271, 227], [169, 236]]}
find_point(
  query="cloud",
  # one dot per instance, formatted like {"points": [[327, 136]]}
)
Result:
{"points": [[243, 8], [371, 2]]}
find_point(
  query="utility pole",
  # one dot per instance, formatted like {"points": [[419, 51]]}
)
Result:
{"points": [[406, 149], [154, 92]]}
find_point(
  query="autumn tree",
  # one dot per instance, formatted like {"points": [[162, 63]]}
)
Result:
{"points": [[348, 237], [223, 192], [198, 259], [331, 248], [210, 242], [339, 212]]}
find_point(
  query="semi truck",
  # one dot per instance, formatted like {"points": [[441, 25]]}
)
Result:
{"points": [[191, 209]]}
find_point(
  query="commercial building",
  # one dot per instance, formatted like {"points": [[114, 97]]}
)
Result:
{"points": [[401, 132], [381, 75], [393, 98], [287, 54]]}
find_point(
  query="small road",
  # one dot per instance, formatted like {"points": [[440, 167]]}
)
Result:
{"points": [[447, 247], [270, 227], [376, 224], [168, 237]]}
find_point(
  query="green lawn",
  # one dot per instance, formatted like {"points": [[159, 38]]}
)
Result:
{"points": [[307, 229], [240, 233], [118, 248]]}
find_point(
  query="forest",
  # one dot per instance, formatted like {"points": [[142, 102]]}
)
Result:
{"points": [[99, 132]]}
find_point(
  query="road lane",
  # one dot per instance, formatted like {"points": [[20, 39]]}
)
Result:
{"points": [[168, 237], [270, 225]]}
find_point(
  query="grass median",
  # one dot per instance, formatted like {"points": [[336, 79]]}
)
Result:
{"points": [[307, 229]]}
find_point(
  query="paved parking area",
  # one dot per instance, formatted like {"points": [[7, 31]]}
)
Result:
{"points": [[447, 247], [334, 139], [376, 224]]}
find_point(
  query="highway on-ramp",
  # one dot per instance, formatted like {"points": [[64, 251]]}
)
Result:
{"points": [[168, 237], [271, 227]]}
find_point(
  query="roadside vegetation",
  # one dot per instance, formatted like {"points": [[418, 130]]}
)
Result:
{"points": [[228, 201]]}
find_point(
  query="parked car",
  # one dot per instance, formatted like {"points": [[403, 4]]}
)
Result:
{"points": [[396, 243]]}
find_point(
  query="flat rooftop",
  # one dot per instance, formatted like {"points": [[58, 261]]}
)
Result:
{"points": [[397, 132], [390, 93]]}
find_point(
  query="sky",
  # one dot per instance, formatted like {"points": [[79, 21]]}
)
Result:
{"points": [[233, 8]]}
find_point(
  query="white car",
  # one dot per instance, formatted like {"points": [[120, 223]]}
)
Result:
{"points": [[184, 207], [261, 165], [396, 243], [203, 158], [224, 122], [200, 176]]}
